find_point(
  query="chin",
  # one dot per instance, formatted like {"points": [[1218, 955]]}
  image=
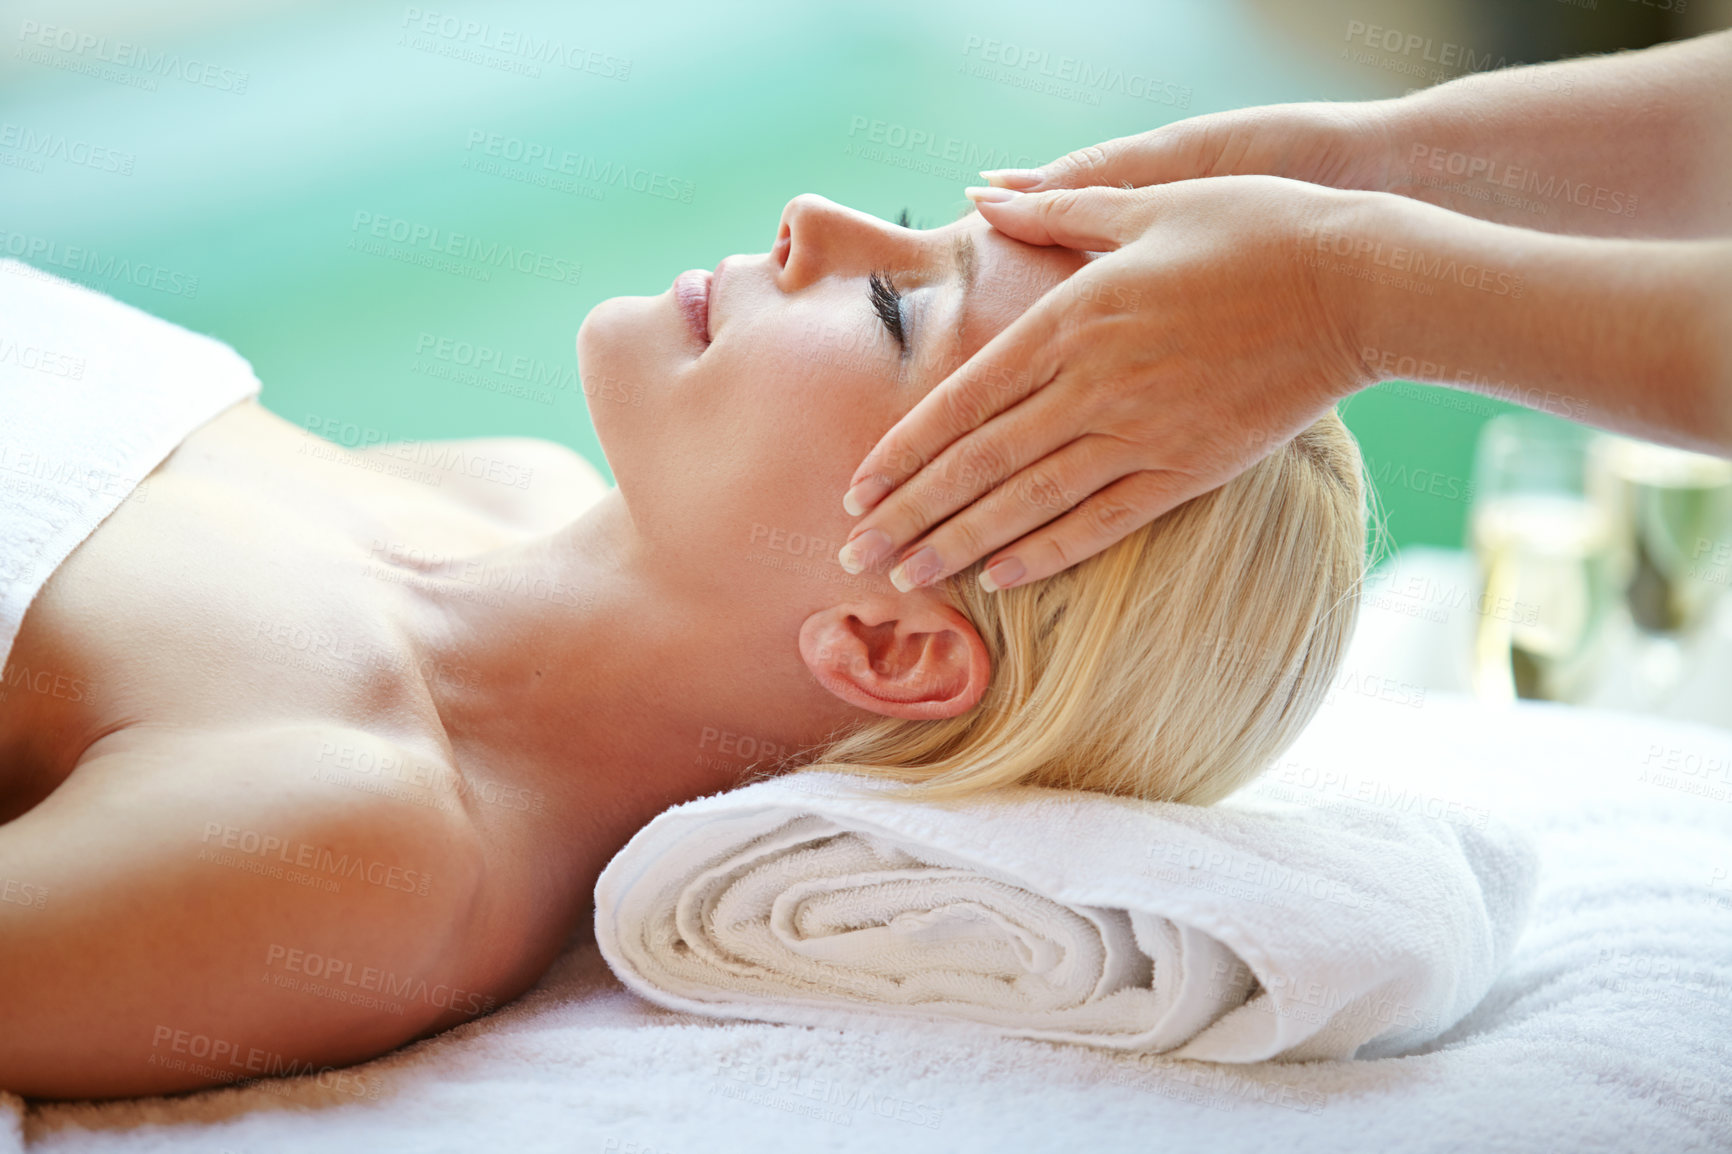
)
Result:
{"points": [[613, 384], [627, 359], [601, 334]]}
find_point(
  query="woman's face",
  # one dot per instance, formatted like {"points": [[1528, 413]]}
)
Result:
{"points": [[732, 438]]}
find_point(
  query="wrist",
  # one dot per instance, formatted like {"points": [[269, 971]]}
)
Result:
{"points": [[1347, 308], [1370, 135], [1334, 145]]}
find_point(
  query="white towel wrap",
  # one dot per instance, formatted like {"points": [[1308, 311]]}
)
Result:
{"points": [[93, 395]]}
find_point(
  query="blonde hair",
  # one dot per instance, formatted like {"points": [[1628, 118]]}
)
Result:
{"points": [[1174, 666]]}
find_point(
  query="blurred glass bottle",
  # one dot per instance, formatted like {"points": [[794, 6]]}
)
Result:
{"points": [[1673, 515], [1674, 512], [1549, 566]]}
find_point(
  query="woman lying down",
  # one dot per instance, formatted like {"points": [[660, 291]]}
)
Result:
{"points": [[302, 758]]}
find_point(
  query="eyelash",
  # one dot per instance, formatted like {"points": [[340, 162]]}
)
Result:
{"points": [[887, 303]]}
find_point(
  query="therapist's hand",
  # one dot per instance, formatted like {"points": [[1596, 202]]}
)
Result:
{"points": [[1199, 343]]}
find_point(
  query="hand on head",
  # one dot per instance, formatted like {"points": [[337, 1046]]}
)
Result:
{"points": [[1195, 346], [1262, 263]]}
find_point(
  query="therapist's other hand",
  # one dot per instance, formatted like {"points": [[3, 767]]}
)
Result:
{"points": [[1201, 341], [1338, 145]]}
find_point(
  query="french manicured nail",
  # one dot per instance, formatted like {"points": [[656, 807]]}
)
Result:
{"points": [[1001, 574], [916, 570], [868, 548], [865, 495], [1021, 179], [990, 195]]}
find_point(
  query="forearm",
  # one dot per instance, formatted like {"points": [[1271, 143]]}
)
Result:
{"points": [[1634, 336], [1636, 144]]}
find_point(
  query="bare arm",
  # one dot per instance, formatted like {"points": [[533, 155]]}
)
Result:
{"points": [[1629, 335], [202, 927], [1634, 144]]}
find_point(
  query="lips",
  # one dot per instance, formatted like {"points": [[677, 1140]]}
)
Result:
{"points": [[692, 292]]}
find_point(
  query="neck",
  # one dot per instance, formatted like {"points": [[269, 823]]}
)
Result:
{"points": [[587, 664]]}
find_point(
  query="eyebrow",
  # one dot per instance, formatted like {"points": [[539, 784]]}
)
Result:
{"points": [[965, 261]]}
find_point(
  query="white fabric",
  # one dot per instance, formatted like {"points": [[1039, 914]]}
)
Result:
{"points": [[1607, 1031], [93, 395], [1069, 916]]}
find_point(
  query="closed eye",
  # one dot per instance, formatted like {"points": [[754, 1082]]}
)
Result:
{"points": [[887, 303]]}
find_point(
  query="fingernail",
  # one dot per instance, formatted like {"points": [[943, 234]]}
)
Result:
{"points": [[868, 548], [1001, 574], [1022, 179], [916, 570], [864, 495], [990, 195]]}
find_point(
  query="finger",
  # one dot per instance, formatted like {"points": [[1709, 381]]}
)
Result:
{"points": [[1046, 489], [1094, 219], [1154, 157], [970, 470], [1023, 357], [1102, 520]]}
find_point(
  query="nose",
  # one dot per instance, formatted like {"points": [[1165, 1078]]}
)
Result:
{"points": [[819, 237]]}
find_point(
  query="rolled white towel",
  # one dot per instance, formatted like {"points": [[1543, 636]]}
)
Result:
{"points": [[1249, 930]]}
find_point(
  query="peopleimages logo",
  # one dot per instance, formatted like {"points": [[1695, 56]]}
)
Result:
{"points": [[88, 262], [1446, 58], [831, 1099], [1512, 176], [580, 166], [1400, 259], [87, 50], [427, 244], [49, 362], [40, 146], [445, 34], [913, 138], [1069, 77], [375, 979]]}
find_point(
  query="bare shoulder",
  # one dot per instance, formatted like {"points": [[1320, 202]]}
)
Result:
{"points": [[193, 910], [527, 482]]}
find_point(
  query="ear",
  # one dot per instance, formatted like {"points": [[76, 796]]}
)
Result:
{"points": [[911, 656]]}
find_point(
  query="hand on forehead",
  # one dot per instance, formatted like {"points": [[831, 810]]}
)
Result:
{"points": [[1005, 278]]}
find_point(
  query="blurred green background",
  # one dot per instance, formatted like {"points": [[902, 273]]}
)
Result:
{"points": [[250, 148]]}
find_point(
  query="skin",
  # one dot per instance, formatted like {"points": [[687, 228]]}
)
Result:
{"points": [[1266, 263], [477, 692]]}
